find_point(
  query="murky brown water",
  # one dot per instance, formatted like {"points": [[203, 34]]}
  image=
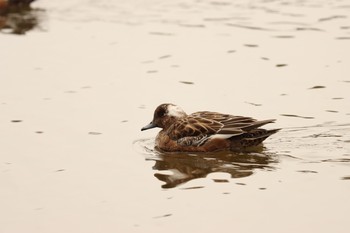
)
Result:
{"points": [[79, 82]]}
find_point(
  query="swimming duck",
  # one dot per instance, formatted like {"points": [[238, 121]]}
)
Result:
{"points": [[205, 131]]}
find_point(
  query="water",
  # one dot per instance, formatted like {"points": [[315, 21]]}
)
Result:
{"points": [[79, 83]]}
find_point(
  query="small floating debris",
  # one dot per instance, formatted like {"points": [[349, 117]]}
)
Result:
{"points": [[187, 82], [337, 98], [281, 65], [70, 92], [262, 188], [95, 133], [124, 121], [292, 115], [265, 58], [39, 132], [345, 178], [317, 87], [16, 121], [231, 51]]}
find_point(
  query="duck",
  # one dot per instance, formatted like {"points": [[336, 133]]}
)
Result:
{"points": [[206, 131]]}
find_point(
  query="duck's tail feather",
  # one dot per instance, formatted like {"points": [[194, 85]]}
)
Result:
{"points": [[257, 124], [251, 138]]}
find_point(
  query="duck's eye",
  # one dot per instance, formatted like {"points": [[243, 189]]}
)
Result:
{"points": [[161, 112]]}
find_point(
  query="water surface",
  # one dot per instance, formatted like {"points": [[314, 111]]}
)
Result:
{"points": [[77, 86]]}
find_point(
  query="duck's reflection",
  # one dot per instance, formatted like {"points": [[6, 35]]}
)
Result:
{"points": [[178, 168], [17, 16]]}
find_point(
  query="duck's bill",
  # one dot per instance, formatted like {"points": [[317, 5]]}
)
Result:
{"points": [[149, 126]]}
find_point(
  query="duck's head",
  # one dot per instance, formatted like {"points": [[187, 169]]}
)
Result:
{"points": [[165, 115]]}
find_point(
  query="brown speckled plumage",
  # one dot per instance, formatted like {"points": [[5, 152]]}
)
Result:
{"points": [[206, 131]]}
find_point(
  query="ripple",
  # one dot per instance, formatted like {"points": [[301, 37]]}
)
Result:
{"points": [[332, 18], [224, 18], [281, 65], [343, 38], [254, 104], [187, 82], [317, 87], [164, 56], [325, 135], [152, 71], [284, 36], [192, 25], [16, 121], [145, 146], [308, 29], [251, 45], [307, 171], [293, 115], [161, 33], [338, 160], [249, 27], [332, 111]]}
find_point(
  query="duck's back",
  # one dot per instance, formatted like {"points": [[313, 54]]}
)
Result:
{"points": [[210, 131]]}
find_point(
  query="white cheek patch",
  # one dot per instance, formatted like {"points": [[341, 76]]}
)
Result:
{"points": [[175, 111]]}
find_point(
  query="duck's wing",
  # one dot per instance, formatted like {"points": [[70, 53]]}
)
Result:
{"points": [[193, 126], [232, 123], [223, 118]]}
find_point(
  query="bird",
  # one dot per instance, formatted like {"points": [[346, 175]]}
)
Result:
{"points": [[205, 131]]}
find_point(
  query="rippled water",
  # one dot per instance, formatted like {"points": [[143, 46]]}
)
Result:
{"points": [[78, 80]]}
